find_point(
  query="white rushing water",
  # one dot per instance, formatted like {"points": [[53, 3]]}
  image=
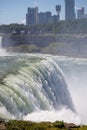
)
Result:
{"points": [[41, 88], [0, 42], [2, 51]]}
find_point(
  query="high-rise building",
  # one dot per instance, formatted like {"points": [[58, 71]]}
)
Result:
{"points": [[47, 18], [69, 9], [44, 17], [32, 16], [53, 19], [80, 13]]}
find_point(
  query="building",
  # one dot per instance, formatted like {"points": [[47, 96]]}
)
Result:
{"points": [[80, 13], [53, 19], [32, 16], [44, 17], [85, 16], [69, 9], [47, 17]]}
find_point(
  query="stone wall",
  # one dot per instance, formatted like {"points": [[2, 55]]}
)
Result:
{"points": [[16, 40], [63, 44]]}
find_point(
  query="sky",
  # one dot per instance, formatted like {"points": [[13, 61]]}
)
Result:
{"points": [[14, 11]]}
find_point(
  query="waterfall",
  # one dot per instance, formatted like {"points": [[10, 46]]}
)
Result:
{"points": [[31, 83], [2, 51], [0, 42]]}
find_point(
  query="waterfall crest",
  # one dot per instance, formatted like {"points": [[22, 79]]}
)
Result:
{"points": [[31, 83]]}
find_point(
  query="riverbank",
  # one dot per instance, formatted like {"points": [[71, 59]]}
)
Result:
{"points": [[28, 125], [73, 45]]}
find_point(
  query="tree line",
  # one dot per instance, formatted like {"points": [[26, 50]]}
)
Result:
{"points": [[73, 26]]}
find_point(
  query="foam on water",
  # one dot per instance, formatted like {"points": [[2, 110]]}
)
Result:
{"points": [[64, 114]]}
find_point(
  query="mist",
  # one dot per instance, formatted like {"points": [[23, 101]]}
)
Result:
{"points": [[76, 77], [75, 73], [64, 114]]}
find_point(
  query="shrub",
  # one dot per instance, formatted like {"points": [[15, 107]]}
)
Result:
{"points": [[59, 124]]}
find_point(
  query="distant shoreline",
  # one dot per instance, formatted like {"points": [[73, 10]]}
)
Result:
{"points": [[73, 45]]}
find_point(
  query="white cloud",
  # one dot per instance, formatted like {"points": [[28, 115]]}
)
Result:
{"points": [[23, 21]]}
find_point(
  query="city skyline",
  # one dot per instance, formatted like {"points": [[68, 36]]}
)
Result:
{"points": [[15, 11]]}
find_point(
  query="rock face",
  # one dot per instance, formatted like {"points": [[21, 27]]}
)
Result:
{"points": [[2, 125], [71, 125], [16, 40]]}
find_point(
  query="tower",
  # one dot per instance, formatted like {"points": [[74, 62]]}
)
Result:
{"points": [[58, 9], [69, 9]]}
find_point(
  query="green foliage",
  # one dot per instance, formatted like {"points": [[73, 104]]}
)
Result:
{"points": [[59, 124], [71, 26], [10, 28], [27, 125], [19, 125], [24, 48]]}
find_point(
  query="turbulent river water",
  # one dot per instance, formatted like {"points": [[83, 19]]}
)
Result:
{"points": [[43, 87]]}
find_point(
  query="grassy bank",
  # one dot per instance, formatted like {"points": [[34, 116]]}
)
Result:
{"points": [[27, 125]]}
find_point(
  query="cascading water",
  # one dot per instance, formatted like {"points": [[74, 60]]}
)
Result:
{"points": [[1, 49], [0, 43], [31, 84], [34, 84]]}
